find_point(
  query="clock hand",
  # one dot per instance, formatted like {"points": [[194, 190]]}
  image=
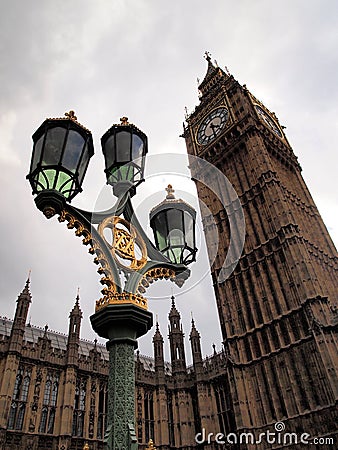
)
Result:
{"points": [[213, 126]]}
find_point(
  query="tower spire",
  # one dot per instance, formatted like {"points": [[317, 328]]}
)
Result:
{"points": [[158, 351], [195, 341], [213, 74], [76, 309], [20, 318], [75, 318], [176, 339], [211, 67]]}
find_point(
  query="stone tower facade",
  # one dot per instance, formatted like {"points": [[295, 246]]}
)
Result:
{"points": [[278, 306]]}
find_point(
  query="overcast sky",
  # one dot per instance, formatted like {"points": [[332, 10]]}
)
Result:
{"points": [[108, 58]]}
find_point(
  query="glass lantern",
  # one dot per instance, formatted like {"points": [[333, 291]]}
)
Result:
{"points": [[124, 147], [61, 153], [173, 225]]}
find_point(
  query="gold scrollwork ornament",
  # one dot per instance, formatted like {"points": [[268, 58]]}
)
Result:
{"points": [[125, 239]]}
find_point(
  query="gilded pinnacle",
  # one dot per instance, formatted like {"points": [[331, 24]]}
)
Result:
{"points": [[71, 115], [170, 192], [124, 120]]}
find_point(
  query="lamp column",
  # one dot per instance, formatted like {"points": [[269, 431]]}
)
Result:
{"points": [[121, 324]]}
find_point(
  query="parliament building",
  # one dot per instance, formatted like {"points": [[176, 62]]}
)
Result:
{"points": [[277, 308]]}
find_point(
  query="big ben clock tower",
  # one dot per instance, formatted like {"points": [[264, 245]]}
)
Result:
{"points": [[278, 307]]}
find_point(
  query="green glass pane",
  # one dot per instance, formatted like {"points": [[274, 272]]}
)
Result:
{"points": [[64, 184], [46, 179], [122, 173], [127, 173], [174, 255], [177, 254], [161, 241]]}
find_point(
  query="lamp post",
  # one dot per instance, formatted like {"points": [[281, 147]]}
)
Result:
{"points": [[128, 262]]}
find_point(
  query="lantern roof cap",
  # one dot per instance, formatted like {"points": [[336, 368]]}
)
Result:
{"points": [[124, 123], [171, 201], [70, 116]]}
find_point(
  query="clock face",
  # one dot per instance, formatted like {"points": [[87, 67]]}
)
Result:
{"points": [[212, 125], [269, 121]]}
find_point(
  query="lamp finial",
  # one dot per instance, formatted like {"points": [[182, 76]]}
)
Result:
{"points": [[124, 120], [170, 192], [71, 115]]}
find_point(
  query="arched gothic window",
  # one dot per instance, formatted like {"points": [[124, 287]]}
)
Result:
{"points": [[79, 407], [19, 399], [149, 415], [49, 404]]}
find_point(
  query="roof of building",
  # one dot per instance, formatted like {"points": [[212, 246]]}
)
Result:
{"points": [[59, 341]]}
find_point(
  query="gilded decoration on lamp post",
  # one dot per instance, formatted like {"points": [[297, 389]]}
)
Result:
{"points": [[150, 445], [129, 261]]}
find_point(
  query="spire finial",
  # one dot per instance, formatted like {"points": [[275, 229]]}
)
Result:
{"points": [[77, 297], [25, 290], [173, 301], [170, 192], [207, 56], [28, 280]]}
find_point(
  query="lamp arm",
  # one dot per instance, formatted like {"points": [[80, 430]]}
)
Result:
{"points": [[166, 270], [77, 218]]}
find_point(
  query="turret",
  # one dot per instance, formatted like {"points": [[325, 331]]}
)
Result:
{"points": [[75, 318], [195, 341], [20, 318], [158, 350], [176, 339]]}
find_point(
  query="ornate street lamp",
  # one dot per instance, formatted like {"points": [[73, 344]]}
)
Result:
{"points": [[61, 153], [124, 147], [173, 224]]}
